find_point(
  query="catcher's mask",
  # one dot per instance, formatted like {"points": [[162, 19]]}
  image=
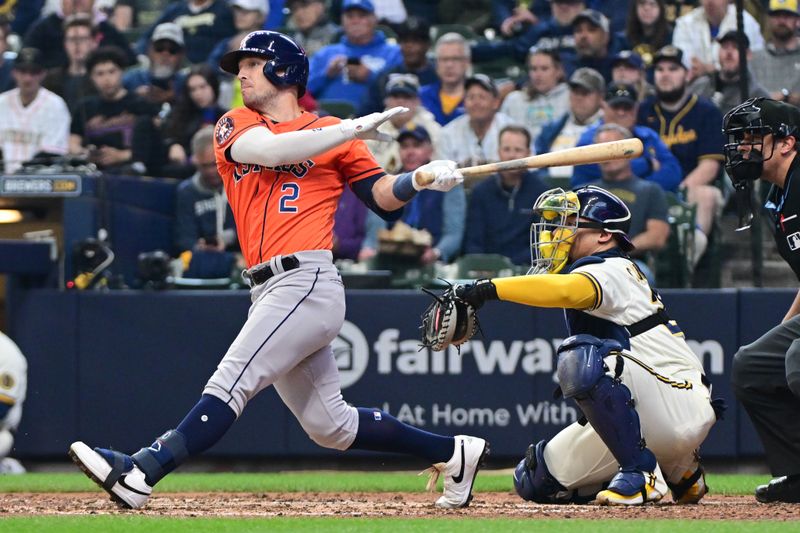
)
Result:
{"points": [[746, 127], [561, 213]]}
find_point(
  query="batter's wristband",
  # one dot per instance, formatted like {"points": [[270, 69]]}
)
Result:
{"points": [[403, 187]]}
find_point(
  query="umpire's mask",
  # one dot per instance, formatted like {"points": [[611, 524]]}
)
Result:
{"points": [[553, 233], [746, 127]]}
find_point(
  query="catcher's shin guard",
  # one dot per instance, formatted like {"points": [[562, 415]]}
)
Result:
{"points": [[533, 481], [607, 404]]}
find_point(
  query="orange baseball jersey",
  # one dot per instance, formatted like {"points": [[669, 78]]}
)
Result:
{"points": [[288, 208]]}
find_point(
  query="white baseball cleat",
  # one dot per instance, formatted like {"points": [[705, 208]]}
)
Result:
{"points": [[460, 472], [114, 472]]}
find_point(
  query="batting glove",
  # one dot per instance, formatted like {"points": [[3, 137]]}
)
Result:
{"points": [[446, 175], [367, 127]]}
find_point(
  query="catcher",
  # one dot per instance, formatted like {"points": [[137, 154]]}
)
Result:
{"points": [[627, 365]]}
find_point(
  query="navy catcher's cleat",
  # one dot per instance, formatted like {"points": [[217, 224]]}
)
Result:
{"points": [[114, 472], [634, 488], [460, 472]]}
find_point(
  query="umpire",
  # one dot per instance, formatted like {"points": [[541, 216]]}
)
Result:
{"points": [[763, 138]]}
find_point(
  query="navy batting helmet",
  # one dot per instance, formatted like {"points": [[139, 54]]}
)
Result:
{"points": [[286, 65], [608, 212]]}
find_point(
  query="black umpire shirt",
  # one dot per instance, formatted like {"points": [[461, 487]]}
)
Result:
{"points": [[783, 208]]}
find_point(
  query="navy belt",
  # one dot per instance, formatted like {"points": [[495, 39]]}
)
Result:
{"points": [[264, 272]]}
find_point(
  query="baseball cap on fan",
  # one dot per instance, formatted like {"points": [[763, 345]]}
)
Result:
{"points": [[484, 81], [628, 57], [588, 79], [262, 6], [168, 31], [784, 6], [363, 5], [620, 93], [733, 35], [416, 132], [594, 17], [669, 53], [402, 85], [29, 60]]}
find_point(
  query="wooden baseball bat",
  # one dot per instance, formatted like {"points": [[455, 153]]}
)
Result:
{"points": [[581, 155]]}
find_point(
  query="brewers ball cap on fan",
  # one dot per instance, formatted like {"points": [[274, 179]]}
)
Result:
{"points": [[402, 85], [589, 79], [484, 81], [363, 5], [287, 63], [262, 6], [594, 17], [168, 31], [733, 35], [620, 93], [628, 57], [784, 6], [29, 59], [669, 53], [417, 132]]}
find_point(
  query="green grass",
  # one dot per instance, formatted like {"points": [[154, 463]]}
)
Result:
{"points": [[338, 481], [487, 481], [124, 524]]}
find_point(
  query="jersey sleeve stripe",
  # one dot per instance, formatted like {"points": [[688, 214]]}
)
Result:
{"points": [[598, 290], [354, 176]]}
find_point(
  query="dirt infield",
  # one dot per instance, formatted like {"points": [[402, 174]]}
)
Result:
{"points": [[355, 504]]}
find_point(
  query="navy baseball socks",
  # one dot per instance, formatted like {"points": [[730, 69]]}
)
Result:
{"points": [[459, 458], [381, 432], [206, 423], [129, 479]]}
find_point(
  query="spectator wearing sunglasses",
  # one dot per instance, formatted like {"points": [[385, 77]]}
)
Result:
{"points": [[162, 80]]}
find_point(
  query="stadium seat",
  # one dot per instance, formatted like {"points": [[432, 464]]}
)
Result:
{"points": [[674, 264], [465, 31], [473, 266], [337, 108]]}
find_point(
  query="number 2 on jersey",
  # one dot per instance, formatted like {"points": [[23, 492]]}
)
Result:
{"points": [[290, 192]]}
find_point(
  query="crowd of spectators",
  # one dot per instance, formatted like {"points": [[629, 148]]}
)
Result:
{"points": [[483, 80]]}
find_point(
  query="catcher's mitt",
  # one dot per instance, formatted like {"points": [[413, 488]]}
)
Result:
{"points": [[449, 320]]}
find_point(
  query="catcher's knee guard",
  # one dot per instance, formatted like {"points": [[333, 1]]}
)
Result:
{"points": [[533, 481], [605, 401]]}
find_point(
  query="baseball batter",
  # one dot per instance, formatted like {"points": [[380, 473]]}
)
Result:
{"points": [[284, 170], [13, 385], [627, 364]]}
